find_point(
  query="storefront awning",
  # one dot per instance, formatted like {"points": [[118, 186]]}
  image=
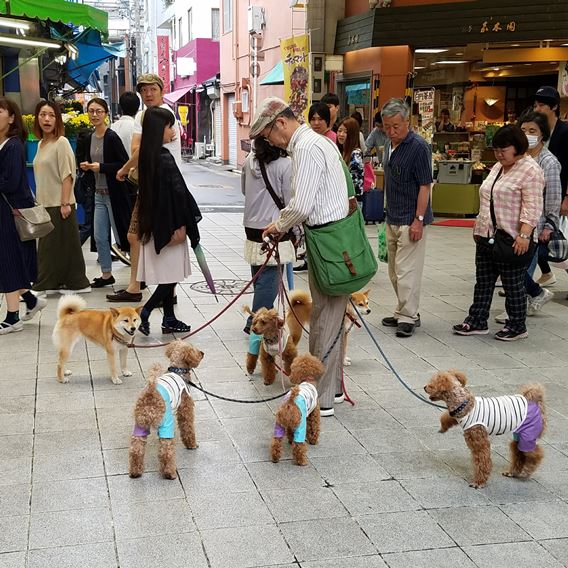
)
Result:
{"points": [[275, 76], [176, 95], [58, 11]]}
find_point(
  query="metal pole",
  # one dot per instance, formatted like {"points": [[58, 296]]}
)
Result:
{"points": [[138, 34], [255, 73]]}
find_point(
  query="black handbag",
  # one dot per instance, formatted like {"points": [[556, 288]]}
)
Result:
{"points": [[502, 243]]}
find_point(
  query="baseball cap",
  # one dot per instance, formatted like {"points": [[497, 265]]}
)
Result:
{"points": [[149, 79], [269, 109], [547, 94]]}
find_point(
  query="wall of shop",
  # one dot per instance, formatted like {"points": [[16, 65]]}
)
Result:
{"points": [[354, 7]]}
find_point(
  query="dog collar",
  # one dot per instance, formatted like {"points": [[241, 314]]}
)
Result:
{"points": [[118, 337], [459, 408], [179, 370]]}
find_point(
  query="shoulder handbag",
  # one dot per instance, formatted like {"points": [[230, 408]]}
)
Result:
{"points": [[368, 176], [557, 245], [31, 222], [277, 201], [340, 257], [503, 242]]}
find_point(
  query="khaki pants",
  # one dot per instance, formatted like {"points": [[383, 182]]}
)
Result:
{"points": [[406, 264], [326, 322]]}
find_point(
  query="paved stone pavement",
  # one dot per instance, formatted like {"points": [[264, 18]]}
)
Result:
{"points": [[382, 487]]}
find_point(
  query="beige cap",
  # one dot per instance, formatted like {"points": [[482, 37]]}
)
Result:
{"points": [[268, 110], [149, 79]]}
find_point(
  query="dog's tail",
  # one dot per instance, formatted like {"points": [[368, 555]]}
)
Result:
{"points": [[70, 304], [150, 406], [288, 415], [300, 298], [535, 393], [247, 310]]}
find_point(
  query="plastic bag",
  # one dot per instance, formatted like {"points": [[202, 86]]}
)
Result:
{"points": [[382, 242]]}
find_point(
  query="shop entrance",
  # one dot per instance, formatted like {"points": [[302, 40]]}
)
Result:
{"points": [[355, 95]]}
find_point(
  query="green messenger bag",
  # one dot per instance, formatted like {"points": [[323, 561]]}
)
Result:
{"points": [[340, 257]]}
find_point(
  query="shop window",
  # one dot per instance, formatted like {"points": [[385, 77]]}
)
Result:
{"points": [[356, 97]]}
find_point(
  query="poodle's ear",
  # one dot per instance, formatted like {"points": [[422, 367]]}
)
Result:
{"points": [[280, 321], [171, 347], [460, 376]]}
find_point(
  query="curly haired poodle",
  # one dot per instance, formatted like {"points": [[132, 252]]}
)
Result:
{"points": [[522, 414], [275, 336], [298, 417], [163, 394]]}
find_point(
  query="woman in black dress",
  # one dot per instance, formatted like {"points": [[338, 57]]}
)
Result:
{"points": [[18, 261]]}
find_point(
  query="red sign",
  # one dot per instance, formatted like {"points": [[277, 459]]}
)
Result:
{"points": [[164, 61]]}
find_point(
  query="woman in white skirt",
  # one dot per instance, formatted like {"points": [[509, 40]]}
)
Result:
{"points": [[167, 216]]}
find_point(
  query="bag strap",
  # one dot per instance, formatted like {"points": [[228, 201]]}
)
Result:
{"points": [[491, 207], [9, 204], [275, 198]]}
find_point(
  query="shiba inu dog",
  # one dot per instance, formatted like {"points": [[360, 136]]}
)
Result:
{"points": [[112, 329]]}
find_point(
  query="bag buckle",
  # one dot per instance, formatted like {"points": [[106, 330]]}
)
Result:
{"points": [[349, 264]]}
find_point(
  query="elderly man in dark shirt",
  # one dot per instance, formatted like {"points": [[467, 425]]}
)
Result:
{"points": [[408, 180]]}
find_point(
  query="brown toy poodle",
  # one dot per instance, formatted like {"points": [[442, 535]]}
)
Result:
{"points": [[163, 394], [275, 336], [298, 417], [522, 414]]}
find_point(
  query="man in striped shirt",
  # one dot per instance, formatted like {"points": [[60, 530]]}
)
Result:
{"points": [[408, 179], [319, 196]]}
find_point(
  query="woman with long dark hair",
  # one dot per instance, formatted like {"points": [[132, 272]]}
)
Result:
{"points": [[104, 156], [18, 261], [349, 145], [167, 216], [260, 210], [61, 265]]}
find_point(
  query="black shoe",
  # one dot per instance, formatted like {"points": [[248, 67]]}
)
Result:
{"points": [[246, 329], [300, 268], [393, 322], [405, 329], [125, 296], [144, 328], [102, 282], [175, 326], [467, 329]]}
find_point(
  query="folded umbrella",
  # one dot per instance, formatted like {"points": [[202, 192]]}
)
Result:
{"points": [[200, 256]]}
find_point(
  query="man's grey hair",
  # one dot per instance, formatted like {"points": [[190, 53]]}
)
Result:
{"points": [[395, 106]]}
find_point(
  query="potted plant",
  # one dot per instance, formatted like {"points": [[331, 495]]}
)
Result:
{"points": [[74, 122], [31, 141]]}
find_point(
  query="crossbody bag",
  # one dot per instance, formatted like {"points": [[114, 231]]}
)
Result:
{"points": [[31, 222]]}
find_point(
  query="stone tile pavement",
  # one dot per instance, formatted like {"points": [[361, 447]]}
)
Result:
{"points": [[382, 488]]}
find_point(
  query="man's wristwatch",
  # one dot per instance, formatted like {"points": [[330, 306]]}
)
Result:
{"points": [[419, 218], [523, 236]]}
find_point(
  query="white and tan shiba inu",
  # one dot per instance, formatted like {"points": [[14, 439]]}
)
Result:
{"points": [[112, 329]]}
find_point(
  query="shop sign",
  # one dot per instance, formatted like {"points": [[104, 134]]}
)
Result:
{"points": [[489, 26], [295, 53], [164, 61], [183, 111], [425, 101], [563, 78]]}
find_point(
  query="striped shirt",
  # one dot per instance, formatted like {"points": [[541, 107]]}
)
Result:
{"points": [[517, 198], [319, 188], [552, 190], [407, 167], [499, 414], [174, 386]]}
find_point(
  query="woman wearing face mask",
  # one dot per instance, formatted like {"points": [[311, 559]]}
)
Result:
{"points": [[535, 126]]}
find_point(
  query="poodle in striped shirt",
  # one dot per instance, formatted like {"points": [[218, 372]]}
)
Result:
{"points": [[522, 414]]}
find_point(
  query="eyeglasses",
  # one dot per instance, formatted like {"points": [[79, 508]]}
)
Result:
{"points": [[267, 137], [46, 115], [97, 111]]}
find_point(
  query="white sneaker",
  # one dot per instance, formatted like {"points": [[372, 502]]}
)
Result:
{"points": [[86, 290], [547, 279], [502, 318], [535, 304], [339, 398], [6, 328], [327, 412], [40, 304]]}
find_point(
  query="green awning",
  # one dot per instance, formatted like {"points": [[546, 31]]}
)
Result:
{"points": [[275, 76], [58, 11]]}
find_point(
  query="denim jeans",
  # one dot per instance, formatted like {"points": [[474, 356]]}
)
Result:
{"points": [[86, 229], [533, 288], [103, 223], [265, 288]]}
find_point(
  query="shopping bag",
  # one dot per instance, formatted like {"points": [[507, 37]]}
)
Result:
{"points": [[382, 242], [563, 229], [368, 176]]}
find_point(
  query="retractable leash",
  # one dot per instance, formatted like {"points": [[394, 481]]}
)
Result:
{"points": [[389, 363]]}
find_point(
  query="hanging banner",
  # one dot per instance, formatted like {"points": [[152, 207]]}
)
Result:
{"points": [[563, 78], [296, 63], [182, 111], [425, 101], [164, 61]]}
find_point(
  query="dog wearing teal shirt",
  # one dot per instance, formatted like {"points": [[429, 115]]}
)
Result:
{"points": [[164, 394], [298, 417]]}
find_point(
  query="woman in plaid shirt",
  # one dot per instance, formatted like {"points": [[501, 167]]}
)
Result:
{"points": [[517, 184]]}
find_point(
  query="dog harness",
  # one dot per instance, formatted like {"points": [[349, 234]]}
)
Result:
{"points": [[306, 401], [510, 413], [274, 348], [170, 386]]}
